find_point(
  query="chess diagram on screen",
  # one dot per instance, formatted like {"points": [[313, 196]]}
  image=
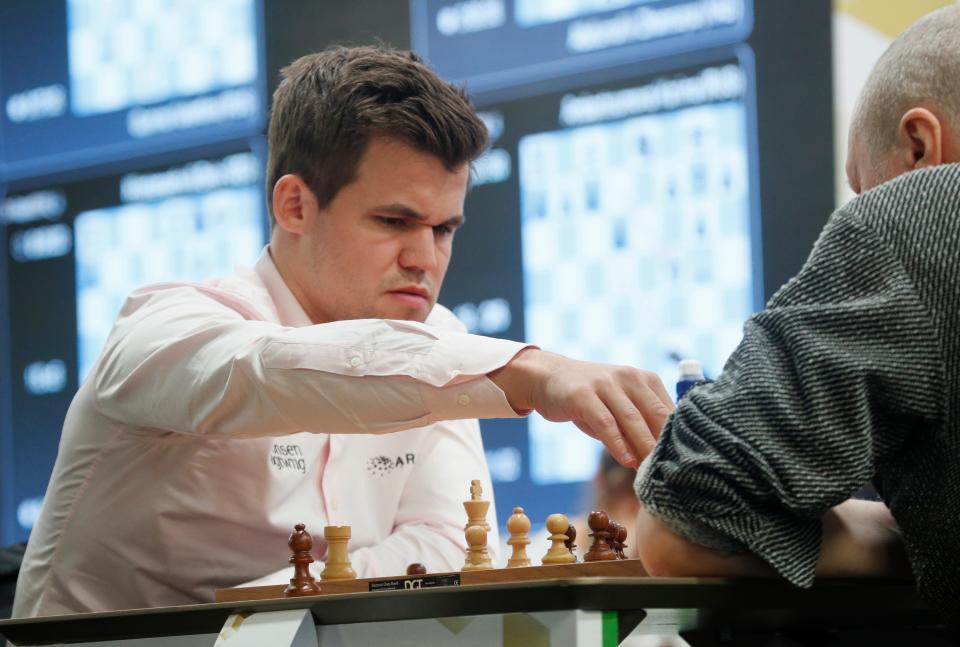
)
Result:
{"points": [[125, 54], [636, 239], [119, 249]]}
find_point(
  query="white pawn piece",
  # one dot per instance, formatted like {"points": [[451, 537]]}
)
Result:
{"points": [[557, 525], [478, 558], [338, 561], [518, 525]]}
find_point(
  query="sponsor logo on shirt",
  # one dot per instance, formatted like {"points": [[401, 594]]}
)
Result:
{"points": [[383, 465], [288, 458]]}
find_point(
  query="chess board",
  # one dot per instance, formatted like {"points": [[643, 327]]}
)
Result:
{"points": [[636, 239], [624, 568], [124, 54], [604, 559], [186, 237]]}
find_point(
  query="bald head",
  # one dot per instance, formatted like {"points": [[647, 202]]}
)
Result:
{"points": [[920, 71]]}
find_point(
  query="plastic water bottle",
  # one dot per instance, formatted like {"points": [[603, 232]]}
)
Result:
{"points": [[691, 374]]}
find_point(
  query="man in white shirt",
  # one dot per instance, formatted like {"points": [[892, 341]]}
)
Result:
{"points": [[221, 414]]}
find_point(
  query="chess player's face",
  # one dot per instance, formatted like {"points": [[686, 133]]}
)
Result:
{"points": [[381, 247]]}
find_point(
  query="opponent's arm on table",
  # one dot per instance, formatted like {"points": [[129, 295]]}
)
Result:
{"points": [[859, 539], [829, 383]]}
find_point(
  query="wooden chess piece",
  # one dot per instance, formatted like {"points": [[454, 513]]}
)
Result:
{"points": [[612, 528], [478, 557], [557, 525], [338, 560], [571, 540], [518, 526], [416, 569], [302, 583], [599, 550], [621, 538], [476, 507], [476, 517]]}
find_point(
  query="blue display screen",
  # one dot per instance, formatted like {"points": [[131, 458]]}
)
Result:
{"points": [[75, 251], [490, 44], [616, 216], [84, 82], [622, 208]]}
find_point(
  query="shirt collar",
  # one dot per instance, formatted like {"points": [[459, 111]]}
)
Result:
{"points": [[289, 310]]}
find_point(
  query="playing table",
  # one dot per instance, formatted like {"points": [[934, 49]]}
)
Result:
{"points": [[572, 610]]}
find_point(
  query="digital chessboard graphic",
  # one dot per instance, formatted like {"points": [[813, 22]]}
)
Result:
{"points": [[125, 53], [636, 251], [182, 238]]}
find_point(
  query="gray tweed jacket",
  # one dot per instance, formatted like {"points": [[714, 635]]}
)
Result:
{"points": [[850, 374]]}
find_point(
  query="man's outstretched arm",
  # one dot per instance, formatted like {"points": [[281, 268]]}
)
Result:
{"points": [[183, 360]]}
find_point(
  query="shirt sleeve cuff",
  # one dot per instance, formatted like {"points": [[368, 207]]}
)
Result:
{"points": [[475, 398], [456, 357]]}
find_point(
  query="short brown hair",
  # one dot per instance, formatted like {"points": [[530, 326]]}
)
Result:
{"points": [[329, 104]]}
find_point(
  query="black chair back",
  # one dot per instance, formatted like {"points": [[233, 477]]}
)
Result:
{"points": [[10, 560]]}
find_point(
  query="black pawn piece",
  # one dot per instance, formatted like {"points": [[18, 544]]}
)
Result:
{"points": [[570, 543], [621, 538], [612, 529], [416, 569], [599, 549]]}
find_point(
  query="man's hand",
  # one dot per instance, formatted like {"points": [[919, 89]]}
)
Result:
{"points": [[624, 408]]}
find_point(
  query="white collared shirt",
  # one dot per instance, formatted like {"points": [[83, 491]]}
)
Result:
{"points": [[218, 416]]}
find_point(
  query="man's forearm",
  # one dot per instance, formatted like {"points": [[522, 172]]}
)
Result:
{"points": [[667, 554], [861, 539]]}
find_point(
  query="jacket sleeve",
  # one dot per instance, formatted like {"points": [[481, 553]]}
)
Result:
{"points": [[179, 360], [829, 381]]}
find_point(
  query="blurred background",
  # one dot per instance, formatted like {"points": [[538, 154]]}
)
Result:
{"points": [[658, 169]]}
